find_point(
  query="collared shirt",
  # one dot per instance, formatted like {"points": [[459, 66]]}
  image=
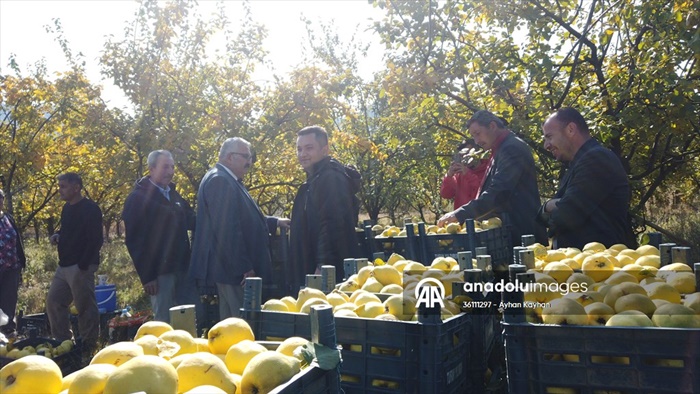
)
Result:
{"points": [[494, 150], [499, 141], [245, 190], [164, 191], [231, 173]]}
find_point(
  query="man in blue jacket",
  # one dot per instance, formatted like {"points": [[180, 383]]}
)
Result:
{"points": [[594, 194], [157, 221], [510, 184], [233, 235]]}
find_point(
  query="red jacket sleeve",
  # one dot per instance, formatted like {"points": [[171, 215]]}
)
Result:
{"points": [[448, 189]]}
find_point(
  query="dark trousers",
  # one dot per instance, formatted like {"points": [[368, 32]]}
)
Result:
{"points": [[9, 286]]}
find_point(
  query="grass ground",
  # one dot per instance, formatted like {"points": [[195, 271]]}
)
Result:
{"points": [[42, 260]]}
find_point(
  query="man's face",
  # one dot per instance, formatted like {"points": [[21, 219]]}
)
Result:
{"points": [[310, 151], [240, 160], [484, 136], [557, 139], [163, 171], [68, 191]]}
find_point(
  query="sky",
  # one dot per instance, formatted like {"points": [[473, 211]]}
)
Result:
{"points": [[86, 23]]}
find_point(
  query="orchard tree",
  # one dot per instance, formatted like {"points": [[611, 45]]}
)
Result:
{"points": [[391, 143], [630, 67], [302, 99], [182, 98], [44, 122]]}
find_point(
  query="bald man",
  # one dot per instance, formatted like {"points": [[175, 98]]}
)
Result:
{"points": [[593, 198]]}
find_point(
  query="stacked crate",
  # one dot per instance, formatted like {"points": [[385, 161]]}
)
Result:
{"points": [[496, 241], [316, 379], [68, 362], [417, 245], [379, 356], [596, 359]]}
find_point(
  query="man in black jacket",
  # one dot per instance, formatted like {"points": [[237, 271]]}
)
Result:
{"points": [[510, 183], [157, 220], [593, 197], [79, 242], [325, 209]]}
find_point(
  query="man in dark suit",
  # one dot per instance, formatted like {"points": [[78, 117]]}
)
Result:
{"points": [[594, 195], [510, 183], [157, 221], [231, 242]]}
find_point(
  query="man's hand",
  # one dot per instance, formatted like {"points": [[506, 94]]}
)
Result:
{"points": [[151, 288], [551, 205], [247, 275], [447, 218], [284, 223], [54, 239], [456, 168]]}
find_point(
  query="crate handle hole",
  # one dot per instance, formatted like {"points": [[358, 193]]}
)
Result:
{"points": [[568, 390], [600, 359], [384, 351], [349, 378], [387, 384], [551, 357], [572, 358], [353, 348], [624, 360], [664, 362]]}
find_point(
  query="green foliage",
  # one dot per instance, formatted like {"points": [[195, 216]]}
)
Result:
{"points": [[630, 67], [43, 121], [42, 261], [183, 99]]}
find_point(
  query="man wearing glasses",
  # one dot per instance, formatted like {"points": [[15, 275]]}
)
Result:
{"points": [[231, 241]]}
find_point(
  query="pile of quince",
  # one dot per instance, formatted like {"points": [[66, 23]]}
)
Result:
{"points": [[615, 286], [382, 290], [46, 349], [164, 360]]}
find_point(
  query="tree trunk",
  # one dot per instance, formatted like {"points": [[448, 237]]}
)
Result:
{"points": [[107, 223], [37, 230], [51, 226]]}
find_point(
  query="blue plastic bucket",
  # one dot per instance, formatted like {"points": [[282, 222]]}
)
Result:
{"points": [[106, 296]]}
